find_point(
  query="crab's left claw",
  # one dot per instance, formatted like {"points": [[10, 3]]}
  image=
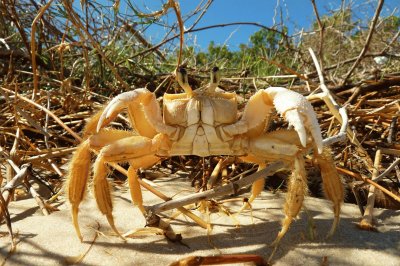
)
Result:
{"points": [[300, 114], [122, 101]]}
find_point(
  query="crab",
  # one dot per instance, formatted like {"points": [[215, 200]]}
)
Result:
{"points": [[203, 122]]}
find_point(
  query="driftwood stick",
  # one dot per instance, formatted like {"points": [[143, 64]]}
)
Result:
{"points": [[387, 171], [37, 197], [16, 181], [383, 189], [21, 178], [366, 222], [50, 153], [219, 191], [6, 215]]}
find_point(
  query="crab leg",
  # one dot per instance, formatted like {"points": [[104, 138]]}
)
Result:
{"points": [[133, 180], [284, 146], [271, 147], [297, 188], [101, 190], [80, 168], [294, 197], [332, 185], [77, 181], [136, 149], [257, 186]]}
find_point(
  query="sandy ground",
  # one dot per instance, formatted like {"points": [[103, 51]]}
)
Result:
{"points": [[51, 240]]}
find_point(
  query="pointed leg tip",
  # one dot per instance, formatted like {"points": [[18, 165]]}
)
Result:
{"points": [[243, 208], [122, 237], [333, 228], [330, 234], [76, 223], [78, 234], [274, 244], [110, 220]]}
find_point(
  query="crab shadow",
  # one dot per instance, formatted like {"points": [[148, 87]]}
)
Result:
{"points": [[255, 238], [33, 256], [249, 238]]}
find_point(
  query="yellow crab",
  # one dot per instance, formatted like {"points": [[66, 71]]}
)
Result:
{"points": [[203, 122]]}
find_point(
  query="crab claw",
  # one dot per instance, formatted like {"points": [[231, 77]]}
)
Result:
{"points": [[122, 101], [300, 114]]}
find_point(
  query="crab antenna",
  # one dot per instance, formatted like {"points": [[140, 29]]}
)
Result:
{"points": [[215, 79], [182, 78]]}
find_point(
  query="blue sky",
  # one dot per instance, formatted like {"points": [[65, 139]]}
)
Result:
{"points": [[296, 14]]}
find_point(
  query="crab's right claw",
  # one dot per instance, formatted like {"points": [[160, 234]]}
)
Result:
{"points": [[300, 114], [122, 101]]}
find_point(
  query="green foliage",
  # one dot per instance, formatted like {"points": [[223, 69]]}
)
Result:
{"points": [[263, 44], [266, 39], [341, 19], [391, 24], [128, 49]]}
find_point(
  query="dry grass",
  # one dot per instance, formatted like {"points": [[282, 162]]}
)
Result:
{"points": [[57, 66]]}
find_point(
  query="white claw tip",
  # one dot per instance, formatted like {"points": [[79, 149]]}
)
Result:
{"points": [[296, 121], [100, 123], [320, 147]]}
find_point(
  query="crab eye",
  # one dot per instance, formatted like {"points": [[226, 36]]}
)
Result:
{"points": [[182, 71], [215, 76], [182, 76], [183, 80]]}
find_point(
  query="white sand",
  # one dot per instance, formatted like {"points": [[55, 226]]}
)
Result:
{"points": [[51, 240]]}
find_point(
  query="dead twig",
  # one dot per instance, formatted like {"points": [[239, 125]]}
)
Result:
{"points": [[151, 49], [221, 259], [338, 112], [334, 108], [387, 171], [33, 48], [61, 123], [321, 35], [367, 41], [366, 222]]}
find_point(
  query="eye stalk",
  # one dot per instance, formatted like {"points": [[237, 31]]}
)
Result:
{"points": [[183, 80], [215, 79]]}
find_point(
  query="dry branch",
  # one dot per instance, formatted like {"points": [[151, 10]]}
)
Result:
{"points": [[77, 59], [367, 41]]}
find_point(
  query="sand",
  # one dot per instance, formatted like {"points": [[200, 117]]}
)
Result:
{"points": [[51, 240]]}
